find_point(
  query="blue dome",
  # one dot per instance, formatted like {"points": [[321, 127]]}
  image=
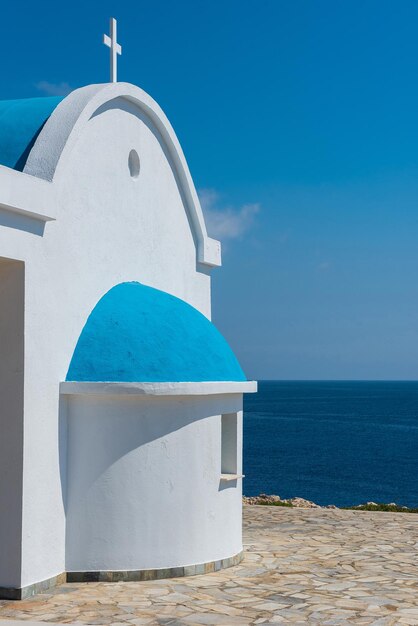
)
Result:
{"points": [[140, 334], [20, 123]]}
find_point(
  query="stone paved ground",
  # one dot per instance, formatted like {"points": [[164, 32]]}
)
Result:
{"points": [[301, 566]]}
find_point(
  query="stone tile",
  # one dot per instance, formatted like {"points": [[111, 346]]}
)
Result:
{"points": [[301, 566]]}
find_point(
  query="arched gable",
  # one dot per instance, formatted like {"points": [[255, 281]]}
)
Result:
{"points": [[52, 148]]}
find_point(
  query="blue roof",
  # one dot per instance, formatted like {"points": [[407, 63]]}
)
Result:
{"points": [[20, 123], [140, 334]]}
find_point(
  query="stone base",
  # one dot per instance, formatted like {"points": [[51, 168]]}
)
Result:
{"points": [[10, 593], [153, 574]]}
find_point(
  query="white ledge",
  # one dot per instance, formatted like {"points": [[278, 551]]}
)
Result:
{"points": [[25, 195], [158, 389], [228, 477], [41, 217]]}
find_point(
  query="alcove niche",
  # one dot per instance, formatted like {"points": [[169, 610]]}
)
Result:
{"points": [[12, 295]]}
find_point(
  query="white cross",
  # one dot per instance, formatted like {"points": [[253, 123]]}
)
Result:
{"points": [[115, 49]]}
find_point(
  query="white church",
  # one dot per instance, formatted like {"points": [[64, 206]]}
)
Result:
{"points": [[121, 403]]}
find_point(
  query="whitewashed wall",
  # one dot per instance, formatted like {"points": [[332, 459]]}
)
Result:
{"points": [[144, 486], [109, 228]]}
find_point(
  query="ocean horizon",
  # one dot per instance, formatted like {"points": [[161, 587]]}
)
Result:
{"points": [[333, 442]]}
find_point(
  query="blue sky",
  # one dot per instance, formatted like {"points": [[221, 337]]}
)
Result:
{"points": [[299, 123]]}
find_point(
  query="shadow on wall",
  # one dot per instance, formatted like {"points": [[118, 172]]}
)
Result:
{"points": [[62, 447], [12, 307], [22, 222], [124, 424], [227, 484]]}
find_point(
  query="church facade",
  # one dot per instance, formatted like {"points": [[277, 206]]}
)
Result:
{"points": [[121, 403]]}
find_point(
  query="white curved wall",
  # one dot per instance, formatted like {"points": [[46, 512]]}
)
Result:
{"points": [[144, 486]]}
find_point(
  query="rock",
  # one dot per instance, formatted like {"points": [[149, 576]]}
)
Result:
{"points": [[263, 498], [301, 503], [271, 498]]}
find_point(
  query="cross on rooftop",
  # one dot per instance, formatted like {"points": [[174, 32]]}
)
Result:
{"points": [[115, 49]]}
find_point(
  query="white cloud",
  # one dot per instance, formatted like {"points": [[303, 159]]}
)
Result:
{"points": [[225, 222], [54, 89]]}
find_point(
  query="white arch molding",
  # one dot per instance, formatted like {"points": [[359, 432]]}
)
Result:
{"points": [[53, 146]]}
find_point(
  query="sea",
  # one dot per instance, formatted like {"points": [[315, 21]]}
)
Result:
{"points": [[342, 443]]}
